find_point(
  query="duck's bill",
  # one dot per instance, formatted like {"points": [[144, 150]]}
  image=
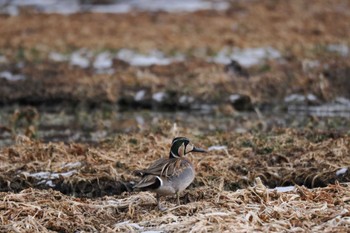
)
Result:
{"points": [[196, 149]]}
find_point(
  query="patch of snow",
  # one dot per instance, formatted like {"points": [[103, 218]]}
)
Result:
{"points": [[74, 6], [186, 99], [179, 5], [153, 58], [246, 57], [77, 59], [50, 183], [139, 95], [341, 49], [217, 148], [326, 110], [300, 98], [159, 96], [311, 97], [240, 130], [58, 57], [118, 8], [233, 98], [310, 64], [341, 171], [64, 7], [49, 175], [11, 77], [284, 189], [140, 120], [98, 134], [103, 61], [128, 223], [32, 2], [294, 98], [342, 100]]}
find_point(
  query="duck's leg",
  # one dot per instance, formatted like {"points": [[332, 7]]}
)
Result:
{"points": [[158, 204], [178, 198]]}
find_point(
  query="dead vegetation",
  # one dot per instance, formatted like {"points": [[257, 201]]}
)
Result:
{"points": [[300, 31], [253, 209], [74, 187], [225, 195]]}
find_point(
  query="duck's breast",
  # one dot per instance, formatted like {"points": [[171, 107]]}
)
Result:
{"points": [[183, 179]]}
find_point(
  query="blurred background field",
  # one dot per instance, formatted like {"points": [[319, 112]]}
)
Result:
{"points": [[91, 90]]}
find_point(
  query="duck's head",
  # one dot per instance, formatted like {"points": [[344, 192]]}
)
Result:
{"points": [[182, 146]]}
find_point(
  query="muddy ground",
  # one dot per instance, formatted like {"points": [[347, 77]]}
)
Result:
{"points": [[71, 132]]}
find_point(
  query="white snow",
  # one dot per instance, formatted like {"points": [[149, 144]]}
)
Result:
{"points": [[284, 189], [341, 49], [294, 98], [128, 223], [74, 6], [179, 5], [103, 61], [246, 57], [11, 77], [186, 99], [342, 100], [139, 95], [77, 59], [159, 96], [58, 57], [300, 98], [50, 183], [49, 175], [140, 120], [217, 148], [341, 171], [234, 97], [155, 57], [311, 97]]}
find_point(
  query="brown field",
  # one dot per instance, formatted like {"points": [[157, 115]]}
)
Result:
{"points": [[225, 195], [68, 149]]}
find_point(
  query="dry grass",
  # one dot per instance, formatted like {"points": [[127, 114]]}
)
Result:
{"points": [[293, 26], [254, 209], [299, 30], [85, 188], [227, 194]]}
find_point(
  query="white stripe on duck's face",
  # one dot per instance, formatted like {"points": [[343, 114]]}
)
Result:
{"points": [[184, 149], [181, 150]]}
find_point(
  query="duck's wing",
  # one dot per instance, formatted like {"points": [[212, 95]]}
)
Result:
{"points": [[148, 182], [161, 167]]}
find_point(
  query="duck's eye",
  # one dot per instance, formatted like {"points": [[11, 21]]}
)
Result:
{"points": [[189, 148]]}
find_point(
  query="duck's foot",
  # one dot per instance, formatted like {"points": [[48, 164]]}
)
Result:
{"points": [[160, 208]]}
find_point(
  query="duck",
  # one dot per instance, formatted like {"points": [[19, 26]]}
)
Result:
{"points": [[169, 176]]}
